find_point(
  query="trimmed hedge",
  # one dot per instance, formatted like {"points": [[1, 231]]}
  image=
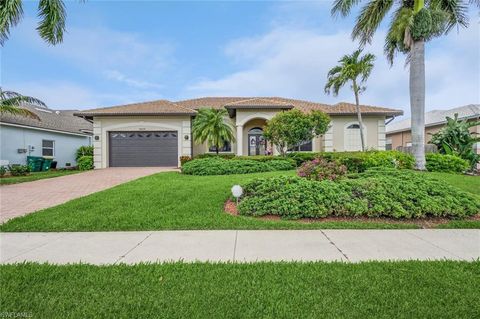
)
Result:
{"points": [[219, 166], [391, 193], [360, 161], [213, 155], [85, 163], [446, 163]]}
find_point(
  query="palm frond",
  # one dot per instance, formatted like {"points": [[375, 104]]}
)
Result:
{"points": [[369, 19], [210, 126], [11, 13], [15, 110], [19, 100], [343, 7], [52, 20], [456, 12]]}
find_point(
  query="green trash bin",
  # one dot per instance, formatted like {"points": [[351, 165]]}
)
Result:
{"points": [[35, 163], [47, 162]]}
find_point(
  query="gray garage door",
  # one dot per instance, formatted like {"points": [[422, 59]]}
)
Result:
{"points": [[144, 148]]}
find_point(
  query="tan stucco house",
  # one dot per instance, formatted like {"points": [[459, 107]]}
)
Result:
{"points": [[399, 133], [157, 133]]}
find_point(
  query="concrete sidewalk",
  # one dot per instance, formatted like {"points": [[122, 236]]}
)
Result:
{"points": [[240, 246]]}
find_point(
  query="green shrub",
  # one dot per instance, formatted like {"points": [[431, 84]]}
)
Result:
{"points": [[85, 163], [3, 170], [219, 166], [184, 159], [360, 161], [375, 193], [19, 170], [446, 163], [84, 151], [211, 155], [320, 169]]}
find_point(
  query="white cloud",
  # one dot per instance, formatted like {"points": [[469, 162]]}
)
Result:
{"points": [[68, 95], [122, 78], [294, 61]]}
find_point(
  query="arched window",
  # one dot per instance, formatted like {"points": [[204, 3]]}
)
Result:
{"points": [[255, 130], [353, 126], [352, 139]]}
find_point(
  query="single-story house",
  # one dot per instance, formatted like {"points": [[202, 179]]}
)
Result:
{"points": [[56, 133], [399, 133], [157, 133]]}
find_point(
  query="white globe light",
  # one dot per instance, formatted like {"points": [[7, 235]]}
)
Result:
{"points": [[237, 191]]}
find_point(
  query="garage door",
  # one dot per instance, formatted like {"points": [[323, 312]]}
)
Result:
{"points": [[158, 148]]}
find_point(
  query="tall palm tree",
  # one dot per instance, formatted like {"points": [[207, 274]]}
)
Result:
{"points": [[11, 102], [355, 69], [413, 23], [210, 125], [52, 19]]}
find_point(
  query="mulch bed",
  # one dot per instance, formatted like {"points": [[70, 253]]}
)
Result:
{"points": [[230, 207]]}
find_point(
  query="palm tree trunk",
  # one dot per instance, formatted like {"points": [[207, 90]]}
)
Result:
{"points": [[359, 114], [417, 102]]}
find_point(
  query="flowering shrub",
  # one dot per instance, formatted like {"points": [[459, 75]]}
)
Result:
{"points": [[320, 169]]}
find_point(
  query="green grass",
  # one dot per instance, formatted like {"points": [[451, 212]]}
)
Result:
{"points": [[413, 289], [175, 201], [163, 201], [467, 183], [34, 176]]}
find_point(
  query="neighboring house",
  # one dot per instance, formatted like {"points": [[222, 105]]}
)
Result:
{"points": [[399, 133], [157, 133], [57, 133]]}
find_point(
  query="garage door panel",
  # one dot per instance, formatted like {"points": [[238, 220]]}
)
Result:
{"points": [[148, 148]]}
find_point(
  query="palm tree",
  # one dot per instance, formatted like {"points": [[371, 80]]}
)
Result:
{"points": [[11, 102], [210, 125], [413, 23], [354, 69], [52, 19]]}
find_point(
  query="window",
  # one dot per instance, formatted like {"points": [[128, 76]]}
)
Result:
{"points": [[388, 144], [227, 147], [48, 148], [303, 147], [353, 141]]}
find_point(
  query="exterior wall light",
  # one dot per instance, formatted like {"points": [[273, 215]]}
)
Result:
{"points": [[186, 137]]}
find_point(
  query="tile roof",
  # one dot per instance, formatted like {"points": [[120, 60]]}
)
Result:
{"points": [[306, 106], [159, 107], [437, 117], [259, 103], [58, 120], [189, 107]]}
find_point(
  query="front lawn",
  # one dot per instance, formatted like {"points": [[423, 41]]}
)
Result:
{"points": [[412, 289], [172, 201], [7, 180]]}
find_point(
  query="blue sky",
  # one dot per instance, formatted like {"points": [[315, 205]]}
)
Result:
{"points": [[118, 52]]}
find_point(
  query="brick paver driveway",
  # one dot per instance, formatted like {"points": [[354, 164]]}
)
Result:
{"points": [[24, 198]]}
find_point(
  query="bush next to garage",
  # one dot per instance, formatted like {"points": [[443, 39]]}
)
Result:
{"points": [[83, 151], [219, 166], [393, 193], [446, 163], [359, 161], [85, 163]]}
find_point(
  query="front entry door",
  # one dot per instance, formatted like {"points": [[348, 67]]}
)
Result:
{"points": [[256, 142]]}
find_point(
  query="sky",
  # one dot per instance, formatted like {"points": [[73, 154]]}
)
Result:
{"points": [[118, 52]]}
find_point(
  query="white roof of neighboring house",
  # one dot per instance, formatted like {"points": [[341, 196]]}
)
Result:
{"points": [[437, 117], [48, 119]]}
